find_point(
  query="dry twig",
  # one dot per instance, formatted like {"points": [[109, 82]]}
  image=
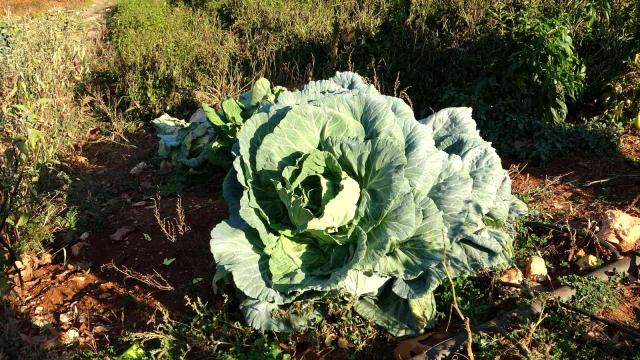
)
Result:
{"points": [[154, 280], [467, 323]]}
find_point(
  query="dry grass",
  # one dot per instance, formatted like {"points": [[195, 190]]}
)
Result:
{"points": [[41, 70], [20, 7]]}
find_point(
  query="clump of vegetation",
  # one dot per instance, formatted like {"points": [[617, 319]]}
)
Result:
{"points": [[43, 60], [623, 98], [209, 333], [171, 58], [474, 300], [210, 133], [527, 71], [592, 294]]}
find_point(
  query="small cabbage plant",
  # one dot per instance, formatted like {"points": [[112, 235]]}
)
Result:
{"points": [[338, 191], [206, 139]]}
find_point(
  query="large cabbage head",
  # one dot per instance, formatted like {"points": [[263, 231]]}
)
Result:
{"points": [[337, 190]]}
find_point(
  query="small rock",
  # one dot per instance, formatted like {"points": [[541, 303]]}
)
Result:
{"points": [[70, 336], [66, 317], [587, 262], [536, 269], [512, 275], [84, 236], [75, 248], [104, 296], [38, 310], [121, 233], [620, 229], [139, 203], [138, 169], [100, 329]]}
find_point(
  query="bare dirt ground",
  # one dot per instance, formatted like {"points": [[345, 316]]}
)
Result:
{"points": [[78, 290]]}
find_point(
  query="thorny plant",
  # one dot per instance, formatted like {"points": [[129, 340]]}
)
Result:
{"points": [[173, 227]]}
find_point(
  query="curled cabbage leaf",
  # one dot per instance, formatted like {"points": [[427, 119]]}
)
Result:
{"points": [[337, 189]]}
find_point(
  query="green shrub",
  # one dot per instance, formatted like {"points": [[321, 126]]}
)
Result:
{"points": [[545, 70], [529, 70], [168, 58], [622, 101]]}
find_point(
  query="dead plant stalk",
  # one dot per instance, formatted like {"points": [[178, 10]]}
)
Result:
{"points": [[467, 322], [172, 228]]}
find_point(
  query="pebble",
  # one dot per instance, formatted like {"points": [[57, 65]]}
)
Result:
{"points": [[512, 275], [536, 269]]}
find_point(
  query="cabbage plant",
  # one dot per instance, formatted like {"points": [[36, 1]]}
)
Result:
{"points": [[338, 191], [206, 139]]}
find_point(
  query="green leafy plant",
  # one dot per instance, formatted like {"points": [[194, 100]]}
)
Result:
{"points": [[208, 334], [207, 138], [339, 189], [592, 294], [623, 98], [546, 62]]}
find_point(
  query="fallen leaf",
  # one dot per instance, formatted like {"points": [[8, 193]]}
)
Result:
{"points": [[121, 233], [75, 248], [100, 329]]}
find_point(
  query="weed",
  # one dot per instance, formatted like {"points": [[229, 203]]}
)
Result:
{"points": [[559, 335], [473, 300], [208, 334], [154, 280], [592, 294]]}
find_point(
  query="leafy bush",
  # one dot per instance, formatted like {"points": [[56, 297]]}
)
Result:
{"points": [[623, 98], [43, 61], [530, 71], [545, 66], [337, 189], [168, 57]]}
